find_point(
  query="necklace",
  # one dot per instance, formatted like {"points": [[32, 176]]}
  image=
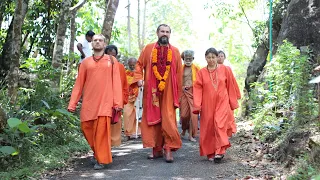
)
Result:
{"points": [[161, 64], [95, 59], [214, 81]]}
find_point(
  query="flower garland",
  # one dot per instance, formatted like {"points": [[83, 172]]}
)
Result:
{"points": [[158, 67]]}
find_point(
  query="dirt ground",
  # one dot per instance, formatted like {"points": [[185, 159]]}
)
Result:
{"points": [[246, 159]]}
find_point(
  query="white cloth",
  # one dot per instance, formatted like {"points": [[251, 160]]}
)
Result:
{"points": [[138, 104], [86, 48]]}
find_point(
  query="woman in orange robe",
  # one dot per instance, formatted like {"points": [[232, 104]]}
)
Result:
{"points": [[215, 97]]}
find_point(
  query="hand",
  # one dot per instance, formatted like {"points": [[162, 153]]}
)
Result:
{"points": [[140, 83], [71, 110]]}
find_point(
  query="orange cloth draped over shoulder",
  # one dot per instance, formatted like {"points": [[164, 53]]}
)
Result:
{"points": [[116, 129], [129, 111], [99, 94], [186, 105], [165, 133], [215, 100]]}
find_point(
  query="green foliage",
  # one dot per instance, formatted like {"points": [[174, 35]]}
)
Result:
{"points": [[306, 171], [284, 96], [39, 123]]}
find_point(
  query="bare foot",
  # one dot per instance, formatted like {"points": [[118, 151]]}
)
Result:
{"points": [[183, 133]]}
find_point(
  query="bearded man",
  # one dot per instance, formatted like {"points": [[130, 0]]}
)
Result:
{"points": [[159, 69], [189, 121]]}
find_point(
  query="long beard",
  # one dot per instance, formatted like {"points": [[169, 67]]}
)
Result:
{"points": [[163, 40]]}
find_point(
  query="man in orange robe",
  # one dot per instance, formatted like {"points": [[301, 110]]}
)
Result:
{"points": [[97, 83], [116, 129], [215, 98], [161, 63], [189, 121], [129, 110]]}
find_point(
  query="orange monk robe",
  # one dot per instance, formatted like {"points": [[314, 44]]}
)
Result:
{"points": [[233, 126], [186, 105], [116, 129], [129, 110], [215, 106], [99, 94], [164, 134]]}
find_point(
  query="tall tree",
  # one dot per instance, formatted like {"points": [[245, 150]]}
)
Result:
{"points": [[61, 33], [139, 27], [129, 28], [73, 12], [18, 19], [110, 12], [143, 36]]}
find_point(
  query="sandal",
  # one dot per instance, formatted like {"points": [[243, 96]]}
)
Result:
{"points": [[218, 158]]}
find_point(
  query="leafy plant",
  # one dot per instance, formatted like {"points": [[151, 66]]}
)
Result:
{"points": [[284, 96]]}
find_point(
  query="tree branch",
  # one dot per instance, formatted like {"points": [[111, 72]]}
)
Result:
{"points": [[75, 8]]}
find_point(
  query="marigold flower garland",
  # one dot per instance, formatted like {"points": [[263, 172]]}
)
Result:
{"points": [[161, 79]]}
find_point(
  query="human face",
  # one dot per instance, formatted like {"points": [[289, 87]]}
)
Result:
{"points": [[132, 65], [98, 43], [221, 58], [212, 59], [112, 53], [89, 38], [163, 35], [188, 59]]}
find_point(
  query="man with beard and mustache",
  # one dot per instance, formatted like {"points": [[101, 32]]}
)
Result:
{"points": [[129, 110], [98, 84], [189, 121], [159, 69]]}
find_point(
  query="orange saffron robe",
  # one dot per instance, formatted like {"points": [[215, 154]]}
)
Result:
{"points": [[164, 134], [116, 129], [216, 109], [99, 94], [129, 111], [186, 105]]}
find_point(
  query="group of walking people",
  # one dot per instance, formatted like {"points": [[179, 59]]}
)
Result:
{"points": [[210, 93]]}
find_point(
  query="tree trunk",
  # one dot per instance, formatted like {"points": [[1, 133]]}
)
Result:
{"points": [[13, 78], [61, 33], [72, 34], [110, 12], [73, 29], [139, 26], [3, 119], [129, 28], [5, 56], [143, 35]]}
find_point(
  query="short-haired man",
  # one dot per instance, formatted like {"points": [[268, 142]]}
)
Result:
{"points": [[98, 85], [84, 46]]}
